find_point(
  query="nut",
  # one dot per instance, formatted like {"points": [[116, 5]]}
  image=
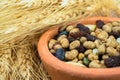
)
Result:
{"points": [[64, 42], [94, 64], [93, 33], [81, 56], [116, 29], [61, 37], [97, 43], [52, 51], [83, 39], [70, 55], [118, 48], [111, 51], [105, 57], [101, 49], [87, 52], [74, 44], [89, 44], [51, 43], [69, 28], [107, 28], [92, 56], [57, 46], [103, 35], [111, 42]]}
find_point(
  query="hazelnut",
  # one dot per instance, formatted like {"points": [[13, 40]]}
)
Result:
{"points": [[89, 44]]}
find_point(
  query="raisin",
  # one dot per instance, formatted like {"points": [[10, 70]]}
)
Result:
{"points": [[83, 28], [81, 48], [60, 54], [90, 37], [100, 23], [71, 39], [77, 34], [115, 34], [113, 61]]}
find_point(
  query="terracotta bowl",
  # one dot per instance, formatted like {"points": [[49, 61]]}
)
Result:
{"points": [[59, 70]]}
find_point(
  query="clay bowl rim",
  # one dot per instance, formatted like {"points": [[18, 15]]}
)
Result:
{"points": [[55, 63]]}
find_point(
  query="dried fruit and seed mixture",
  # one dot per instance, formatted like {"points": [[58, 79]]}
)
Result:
{"points": [[93, 46]]}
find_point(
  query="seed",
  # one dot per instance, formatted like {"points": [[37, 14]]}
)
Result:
{"points": [[100, 23], [60, 54]]}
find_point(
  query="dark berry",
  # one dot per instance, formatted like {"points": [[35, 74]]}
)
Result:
{"points": [[81, 48], [60, 54], [77, 34], [100, 23], [63, 33], [115, 34], [113, 61], [83, 28], [90, 37], [71, 39]]}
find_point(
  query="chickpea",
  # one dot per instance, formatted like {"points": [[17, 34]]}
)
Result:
{"points": [[105, 57], [70, 55], [103, 35], [111, 51], [94, 64], [69, 28], [89, 44], [74, 44], [107, 28], [101, 49], [87, 52], [111, 42], [61, 37], [97, 43], [92, 56], [64, 42], [83, 39], [51, 43], [81, 56]]}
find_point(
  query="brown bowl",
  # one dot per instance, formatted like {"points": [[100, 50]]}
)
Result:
{"points": [[59, 70]]}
